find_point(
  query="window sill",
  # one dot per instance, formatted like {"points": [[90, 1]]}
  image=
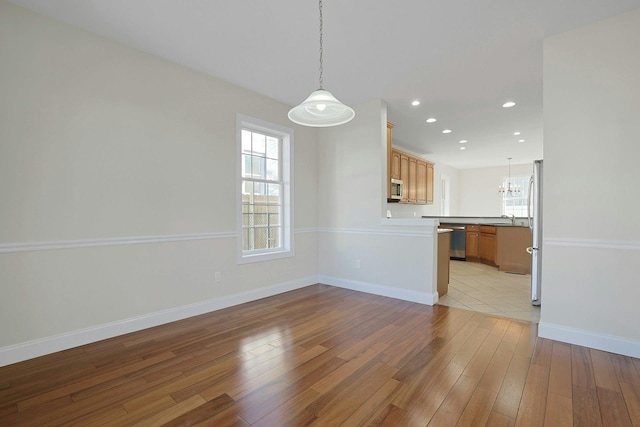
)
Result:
{"points": [[268, 256]]}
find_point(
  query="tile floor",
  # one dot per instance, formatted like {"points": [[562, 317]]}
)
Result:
{"points": [[478, 287]]}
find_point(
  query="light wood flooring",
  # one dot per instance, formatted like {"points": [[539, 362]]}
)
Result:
{"points": [[478, 287], [326, 356]]}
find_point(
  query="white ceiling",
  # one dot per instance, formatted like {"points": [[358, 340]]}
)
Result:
{"points": [[461, 58]]}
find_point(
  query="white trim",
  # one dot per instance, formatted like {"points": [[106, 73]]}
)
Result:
{"points": [[593, 243], [109, 241], [115, 241], [385, 291], [599, 341], [375, 232], [306, 230], [28, 350], [287, 169]]}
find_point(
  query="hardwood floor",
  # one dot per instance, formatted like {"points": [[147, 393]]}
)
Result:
{"points": [[326, 356]]}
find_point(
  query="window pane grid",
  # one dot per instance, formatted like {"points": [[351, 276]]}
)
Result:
{"points": [[262, 190]]}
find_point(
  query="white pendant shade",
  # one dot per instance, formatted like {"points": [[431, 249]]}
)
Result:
{"points": [[321, 109]]}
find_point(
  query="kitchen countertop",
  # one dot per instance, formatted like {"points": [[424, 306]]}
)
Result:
{"points": [[479, 220]]}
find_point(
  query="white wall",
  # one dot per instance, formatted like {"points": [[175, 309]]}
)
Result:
{"points": [[101, 144], [591, 248], [395, 260], [478, 189]]}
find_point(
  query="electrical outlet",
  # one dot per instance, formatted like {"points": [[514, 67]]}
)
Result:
{"points": [[217, 277], [357, 263]]}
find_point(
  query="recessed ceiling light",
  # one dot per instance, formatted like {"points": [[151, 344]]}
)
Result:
{"points": [[463, 148], [431, 120], [508, 104], [446, 131], [516, 133], [463, 141], [521, 140], [415, 103]]}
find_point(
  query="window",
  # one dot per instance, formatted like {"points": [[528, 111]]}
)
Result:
{"points": [[264, 211], [516, 205]]}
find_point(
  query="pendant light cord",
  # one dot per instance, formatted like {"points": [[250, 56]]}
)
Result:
{"points": [[321, 69]]}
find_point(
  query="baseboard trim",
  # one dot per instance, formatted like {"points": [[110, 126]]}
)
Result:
{"points": [[40, 347], [598, 341], [385, 291]]}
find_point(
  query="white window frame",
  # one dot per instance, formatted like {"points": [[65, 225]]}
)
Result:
{"points": [[286, 166]]}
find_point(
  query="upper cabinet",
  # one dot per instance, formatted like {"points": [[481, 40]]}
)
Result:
{"points": [[389, 159], [421, 182], [395, 164], [404, 175], [415, 173], [429, 183]]}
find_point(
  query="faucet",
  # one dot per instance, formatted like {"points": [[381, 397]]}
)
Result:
{"points": [[512, 217]]}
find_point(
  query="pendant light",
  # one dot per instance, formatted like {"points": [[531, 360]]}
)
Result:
{"points": [[321, 108], [509, 190]]}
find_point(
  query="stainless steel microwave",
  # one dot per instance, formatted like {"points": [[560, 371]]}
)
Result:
{"points": [[396, 189]]}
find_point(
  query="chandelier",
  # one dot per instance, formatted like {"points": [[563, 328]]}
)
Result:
{"points": [[321, 108], [509, 190]]}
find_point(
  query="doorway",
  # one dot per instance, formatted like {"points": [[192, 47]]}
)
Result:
{"points": [[445, 193]]}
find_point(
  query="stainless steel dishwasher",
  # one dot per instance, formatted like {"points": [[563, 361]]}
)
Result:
{"points": [[458, 243]]}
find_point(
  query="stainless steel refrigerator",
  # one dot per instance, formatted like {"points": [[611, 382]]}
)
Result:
{"points": [[535, 224]]}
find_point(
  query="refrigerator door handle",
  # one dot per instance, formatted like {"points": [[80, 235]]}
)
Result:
{"points": [[529, 201]]}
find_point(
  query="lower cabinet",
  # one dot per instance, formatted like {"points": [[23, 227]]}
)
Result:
{"points": [[502, 247], [511, 255], [472, 252], [488, 244]]}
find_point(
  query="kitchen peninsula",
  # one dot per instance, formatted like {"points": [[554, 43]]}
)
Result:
{"points": [[496, 241]]}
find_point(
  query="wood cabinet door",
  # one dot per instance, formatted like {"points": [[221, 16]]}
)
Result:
{"points": [[389, 157], [488, 247], [404, 176], [429, 183], [411, 193], [511, 249], [421, 182], [395, 164], [473, 239]]}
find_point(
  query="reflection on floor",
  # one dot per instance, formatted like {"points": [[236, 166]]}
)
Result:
{"points": [[478, 287]]}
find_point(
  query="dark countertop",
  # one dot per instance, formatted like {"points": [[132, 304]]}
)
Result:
{"points": [[477, 220]]}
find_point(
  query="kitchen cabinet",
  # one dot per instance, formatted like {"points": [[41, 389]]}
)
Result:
{"points": [[511, 254], [487, 245], [412, 184], [429, 184], [404, 176], [395, 164], [421, 182], [500, 246], [389, 157], [472, 248], [416, 175]]}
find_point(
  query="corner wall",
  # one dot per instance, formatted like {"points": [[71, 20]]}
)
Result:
{"points": [[359, 248], [591, 247], [118, 200]]}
